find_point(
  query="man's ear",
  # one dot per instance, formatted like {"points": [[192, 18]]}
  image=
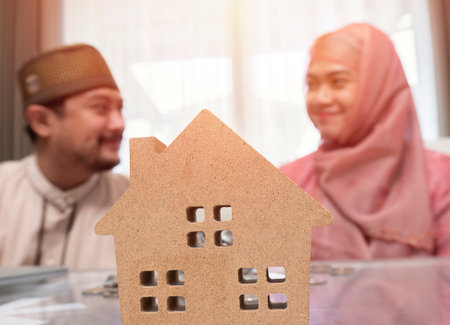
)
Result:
{"points": [[40, 119]]}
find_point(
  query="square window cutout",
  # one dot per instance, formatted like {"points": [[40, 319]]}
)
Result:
{"points": [[277, 301], [176, 303], [175, 277], [248, 302], [276, 274], [248, 275], [223, 238], [196, 239], [195, 214], [148, 278], [223, 213], [149, 304]]}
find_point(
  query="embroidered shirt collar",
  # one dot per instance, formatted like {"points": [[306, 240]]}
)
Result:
{"points": [[59, 198]]}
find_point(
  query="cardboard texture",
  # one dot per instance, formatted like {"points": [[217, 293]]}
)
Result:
{"points": [[210, 232]]}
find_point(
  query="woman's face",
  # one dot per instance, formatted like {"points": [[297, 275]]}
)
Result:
{"points": [[331, 94]]}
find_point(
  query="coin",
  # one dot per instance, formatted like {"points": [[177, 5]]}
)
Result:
{"points": [[94, 291], [314, 281], [320, 268], [111, 282], [342, 270], [111, 293]]}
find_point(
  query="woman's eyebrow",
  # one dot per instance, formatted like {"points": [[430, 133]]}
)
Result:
{"points": [[339, 72], [330, 73], [310, 75]]}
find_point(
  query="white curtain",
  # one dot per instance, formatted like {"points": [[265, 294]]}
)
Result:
{"points": [[242, 59]]}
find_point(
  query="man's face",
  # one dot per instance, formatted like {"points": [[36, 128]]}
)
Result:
{"points": [[89, 129], [331, 94]]}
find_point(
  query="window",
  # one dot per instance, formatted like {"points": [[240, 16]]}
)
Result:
{"points": [[223, 238], [196, 239], [248, 275], [244, 60], [148, 278], [175, 277], [150, 304], [277, 301], [176, 303], [248, 302], [221, 213], [195, 214], [276, 274]]}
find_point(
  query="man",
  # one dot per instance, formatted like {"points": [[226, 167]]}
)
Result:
{"points": [[51, 200]]}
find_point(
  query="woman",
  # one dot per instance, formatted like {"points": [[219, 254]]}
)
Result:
{"points": [[389, 196]]}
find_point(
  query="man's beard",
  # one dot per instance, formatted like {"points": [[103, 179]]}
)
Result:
{"points": [[95, 162], [104, 165]]}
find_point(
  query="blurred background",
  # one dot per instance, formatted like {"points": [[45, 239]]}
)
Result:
{"points": [[242, 59]]}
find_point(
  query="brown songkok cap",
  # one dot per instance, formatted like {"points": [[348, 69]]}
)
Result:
{"points": [[63, 71]]}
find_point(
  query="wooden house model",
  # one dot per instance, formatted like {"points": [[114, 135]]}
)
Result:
{"points": [[210, 232]]}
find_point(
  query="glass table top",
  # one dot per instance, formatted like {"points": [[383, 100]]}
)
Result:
{"points": [[408, 291]]}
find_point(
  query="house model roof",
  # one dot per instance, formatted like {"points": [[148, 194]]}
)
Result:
{"points": [[210, 232]]}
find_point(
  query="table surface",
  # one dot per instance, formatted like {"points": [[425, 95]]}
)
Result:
{"points": [[409, 291]]}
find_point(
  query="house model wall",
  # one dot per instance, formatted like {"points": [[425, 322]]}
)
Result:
{"points": [[210, 232]]}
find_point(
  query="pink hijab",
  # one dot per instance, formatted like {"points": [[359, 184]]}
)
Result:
{"points": [[373, 180]]}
